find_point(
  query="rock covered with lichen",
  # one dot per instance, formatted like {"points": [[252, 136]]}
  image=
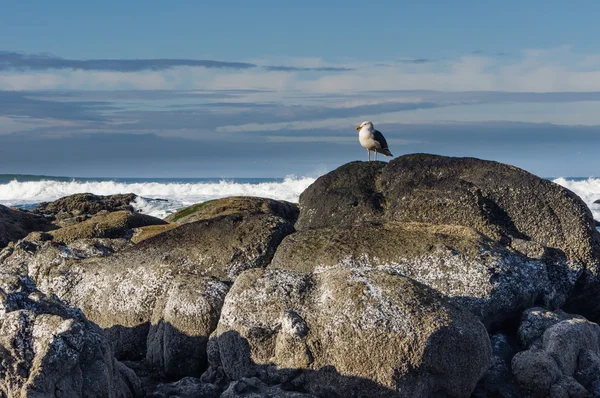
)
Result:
{"points": [[49, 349], [348, 332], [494, 282]]}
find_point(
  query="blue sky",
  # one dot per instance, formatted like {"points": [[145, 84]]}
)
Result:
{"points": [[261, 89]]}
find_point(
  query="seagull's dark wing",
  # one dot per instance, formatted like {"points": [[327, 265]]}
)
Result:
{"points": [[379, 138]]}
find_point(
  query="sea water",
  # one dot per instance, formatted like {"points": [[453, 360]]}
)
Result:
{"points": [[156, 196]]}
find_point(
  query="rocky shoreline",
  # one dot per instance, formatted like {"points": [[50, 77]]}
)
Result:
{"points": [[427, 276]]}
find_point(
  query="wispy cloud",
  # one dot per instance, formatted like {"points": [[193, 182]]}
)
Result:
{"points": [[42, 62]]}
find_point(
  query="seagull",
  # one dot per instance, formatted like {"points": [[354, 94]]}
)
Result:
{"points": [[372, 139]]}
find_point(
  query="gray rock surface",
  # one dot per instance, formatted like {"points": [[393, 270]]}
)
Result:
{"points": [[494, 282], [348, 332], [188, 387], [563, 362], [254, 388], [48, 349], [161, 298]]}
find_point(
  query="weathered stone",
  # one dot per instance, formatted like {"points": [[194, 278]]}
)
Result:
{"points": [[48, 349], [188, 387], [348, 332], [536, 320], [348, 195], [517, 209], [119, 224], [498, 380], [247, 205], [563, 362], [148, 231], [83, 205], [494, 282], [16, 224], [254, 388]]}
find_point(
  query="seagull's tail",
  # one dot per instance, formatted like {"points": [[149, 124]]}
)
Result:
{"points": [[386, 152]]}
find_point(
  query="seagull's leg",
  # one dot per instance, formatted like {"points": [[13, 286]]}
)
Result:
{"points": [[369, 152], [376, 154]]}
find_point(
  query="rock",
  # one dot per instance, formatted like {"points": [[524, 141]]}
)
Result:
{"points": [[188, 387], [119, 224], [563, 362], [348, 332], [235, 205], [536, 320], [508, 205], [47, 349], [148, 231], [75, 208], [161, 298], [348, 195], [254, 388], [16, 224], [498, 380], [494, 282]]}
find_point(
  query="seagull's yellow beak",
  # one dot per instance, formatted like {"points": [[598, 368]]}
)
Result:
{"points": [[358, 127]]}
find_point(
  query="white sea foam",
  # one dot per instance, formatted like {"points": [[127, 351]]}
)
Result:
{"points": [[588, 190], [174, 195]]}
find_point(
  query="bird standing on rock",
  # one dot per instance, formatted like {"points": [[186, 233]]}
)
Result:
{"points": [[372, 140]]}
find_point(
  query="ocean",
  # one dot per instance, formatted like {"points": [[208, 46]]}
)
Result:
{"points": [[157, 196], [161, 196]]}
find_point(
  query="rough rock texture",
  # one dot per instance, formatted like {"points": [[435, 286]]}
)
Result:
{"points": [[348, 332], [118, 224], [49, 350], [507, 204], [254, 388], [188, 387], [79, 207], [350, 194], [161, 298], [235, 205], [494, 282], [563, 362], [498, 380], [148, 231], [16, 224]]}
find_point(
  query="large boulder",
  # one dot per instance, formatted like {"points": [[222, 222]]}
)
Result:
{"points": [[48, 349], [494, 282], [75, 208], [16, 224], [235, 205], [118, 224], [564, 361], [506, 204], [348, 332], [161, 298]]}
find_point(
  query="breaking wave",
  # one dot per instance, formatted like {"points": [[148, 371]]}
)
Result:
{"points": [[587, 189], [157, 198]]}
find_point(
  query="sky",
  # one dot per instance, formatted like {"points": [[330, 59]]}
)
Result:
{"points": [[267, 89]]}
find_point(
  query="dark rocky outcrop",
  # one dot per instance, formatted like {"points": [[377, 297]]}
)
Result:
{"points": [[564, 361], [48, 349], [16, 224], [242, 205], [76, 208], [348, 332], [511, 207]]}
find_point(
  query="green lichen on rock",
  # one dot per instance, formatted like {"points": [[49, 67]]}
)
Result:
{"points": [[235, 205]]}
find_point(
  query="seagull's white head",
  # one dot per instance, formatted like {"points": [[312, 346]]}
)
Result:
{"points": [[366, 124]]}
